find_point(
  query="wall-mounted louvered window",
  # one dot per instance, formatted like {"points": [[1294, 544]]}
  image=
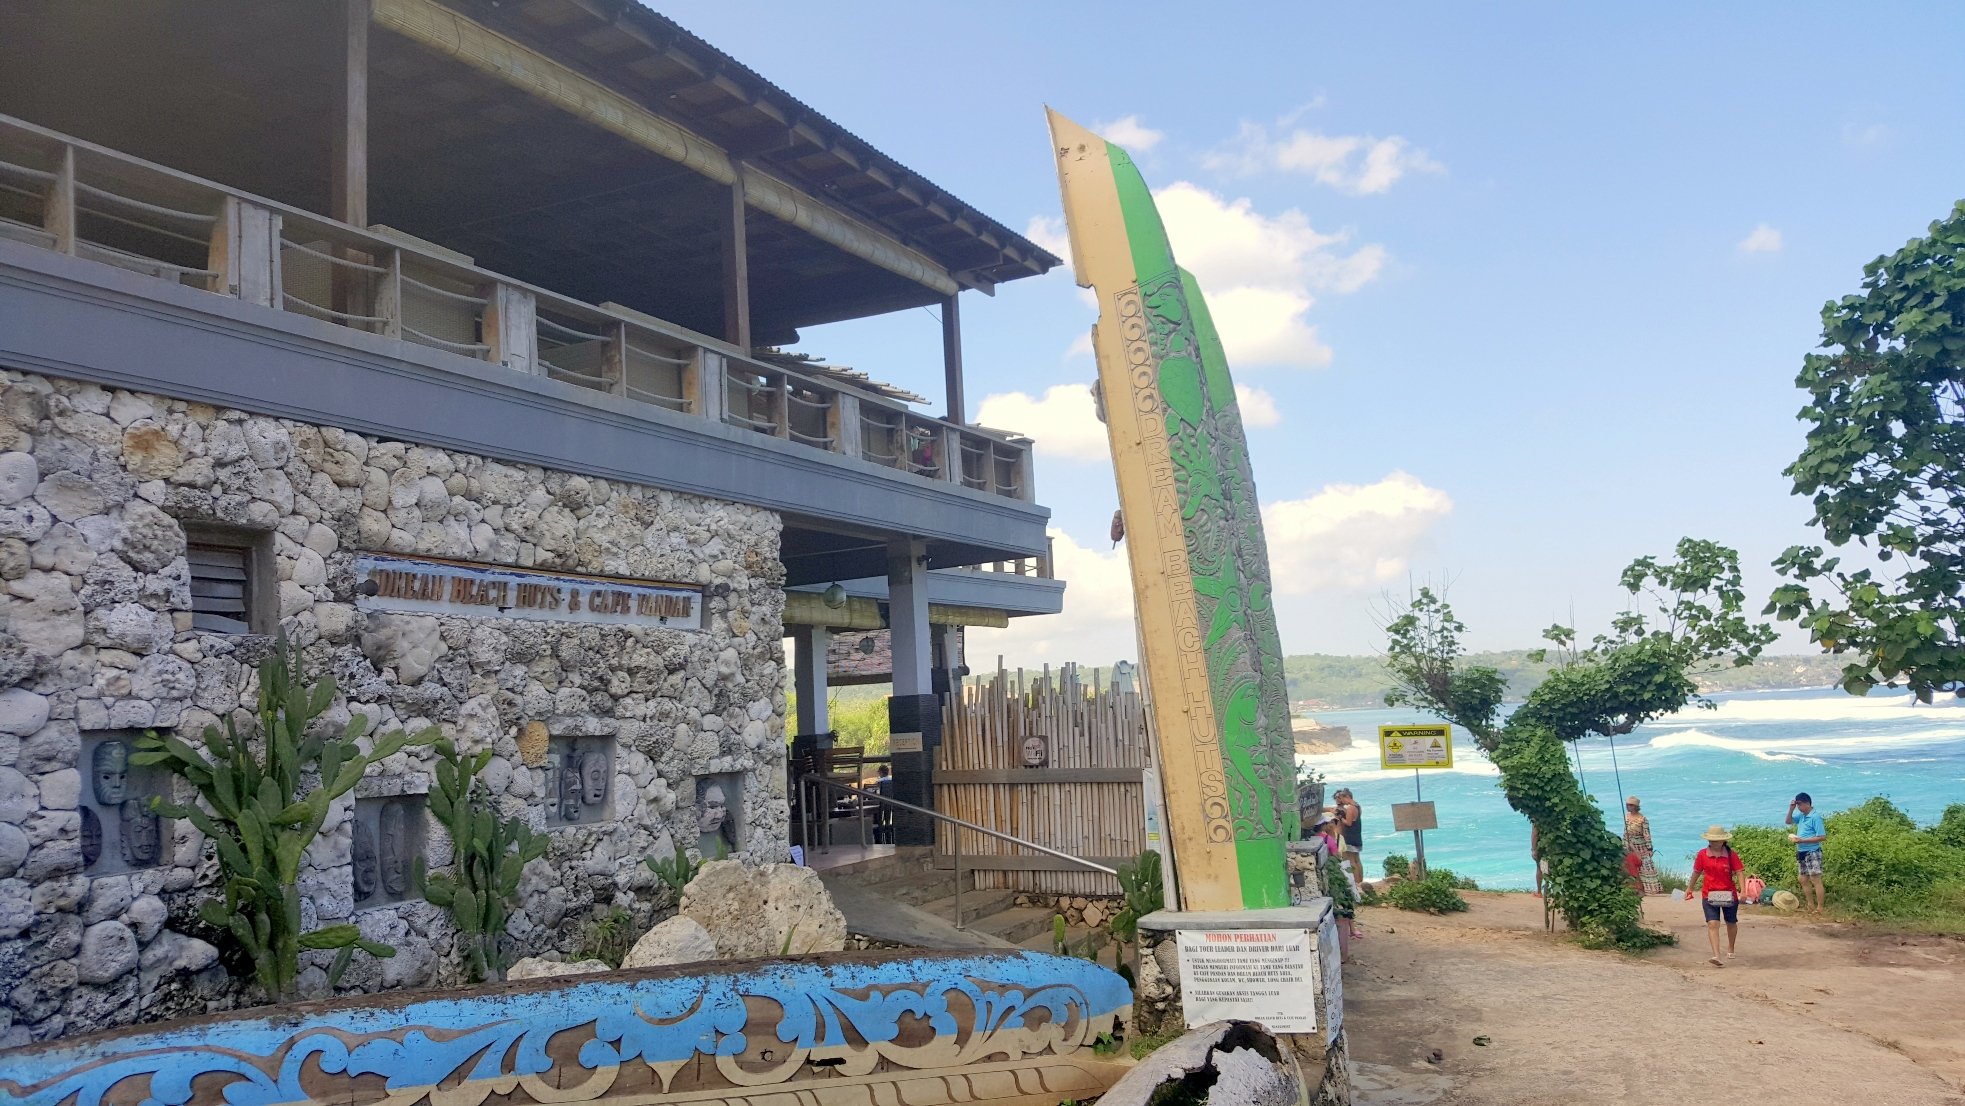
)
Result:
{"points": [[221, 588]]}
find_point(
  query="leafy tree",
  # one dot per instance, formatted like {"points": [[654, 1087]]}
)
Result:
{"points": [[1885, 465], [1684, 615]]}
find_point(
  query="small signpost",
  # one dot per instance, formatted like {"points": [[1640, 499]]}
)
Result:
{"points": [[1419, 746]]}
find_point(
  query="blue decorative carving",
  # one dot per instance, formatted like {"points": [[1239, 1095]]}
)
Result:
{"points": [[725, 1029]]}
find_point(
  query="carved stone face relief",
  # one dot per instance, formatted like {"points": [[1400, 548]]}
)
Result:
{"points": [[140, 833], [109, 772], [1036, 751], [367, 867], [571, 770], [395, 849], [712, 810], [593, 778], [91, 838]]}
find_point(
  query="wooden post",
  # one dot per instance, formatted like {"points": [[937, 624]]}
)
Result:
{"points": [[615, 365], [60, 212], [736, 272], [245, 253], [780, 391], [389, 298], [350, 117], [847, 438], [951, 444], [349, 168], [511, 328], [709, 394], [952, 359]]}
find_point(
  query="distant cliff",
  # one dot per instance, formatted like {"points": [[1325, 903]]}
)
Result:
{"points": [[1324, 682]]}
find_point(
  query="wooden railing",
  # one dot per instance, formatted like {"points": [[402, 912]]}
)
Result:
{"points": [[1041, 567], [72, 197]]}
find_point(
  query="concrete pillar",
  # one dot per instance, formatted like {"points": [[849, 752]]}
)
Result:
{"points": [[809, 677], [914, 707]]}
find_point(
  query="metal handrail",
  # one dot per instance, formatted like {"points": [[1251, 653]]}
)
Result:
{"points": [[955, 838]]}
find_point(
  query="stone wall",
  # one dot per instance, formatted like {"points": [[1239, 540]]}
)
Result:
{"points": [[97, 489]]}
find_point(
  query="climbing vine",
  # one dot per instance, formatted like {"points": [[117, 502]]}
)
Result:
{"points": [[1684, 615]]}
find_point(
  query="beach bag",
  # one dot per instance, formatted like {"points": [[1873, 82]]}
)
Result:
{"points": [[1755, 888]]}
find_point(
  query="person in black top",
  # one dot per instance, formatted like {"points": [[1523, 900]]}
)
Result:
{"points": [[1351, 823]]}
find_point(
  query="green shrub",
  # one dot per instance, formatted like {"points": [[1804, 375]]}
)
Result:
{"points": [[1675, 881], [1433, 895], [1396, 865], [1950, 830], [1767, 853]]}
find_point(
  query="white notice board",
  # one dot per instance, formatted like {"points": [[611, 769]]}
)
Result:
{"points": [[1268, 976], [1330, 978]]}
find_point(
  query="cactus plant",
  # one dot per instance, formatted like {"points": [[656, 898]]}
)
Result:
{"points": [[253, 811], [489, 853], [679, 870]]}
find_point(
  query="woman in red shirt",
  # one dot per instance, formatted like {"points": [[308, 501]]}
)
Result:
{"points": [[1716, 873]]}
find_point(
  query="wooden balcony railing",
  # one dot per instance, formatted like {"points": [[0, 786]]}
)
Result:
{"points": [[72, 197]]}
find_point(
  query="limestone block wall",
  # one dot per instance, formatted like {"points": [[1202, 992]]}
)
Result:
{"points": [[97, 490]]}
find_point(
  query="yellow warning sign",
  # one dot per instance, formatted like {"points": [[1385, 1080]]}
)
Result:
{"points": [[1428, 745]]}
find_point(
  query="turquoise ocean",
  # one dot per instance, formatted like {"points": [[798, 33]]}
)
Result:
{"points": [[1737, 763]]}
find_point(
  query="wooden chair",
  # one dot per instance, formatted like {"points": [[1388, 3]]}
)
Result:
{"points": [[843, 764]]}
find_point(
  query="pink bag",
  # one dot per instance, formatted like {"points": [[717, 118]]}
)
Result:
{"points": [[1755, 887]]}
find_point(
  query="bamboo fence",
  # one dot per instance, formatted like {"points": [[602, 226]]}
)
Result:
{"points": [[1086, 801]]}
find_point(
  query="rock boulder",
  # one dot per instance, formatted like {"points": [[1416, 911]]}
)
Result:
{"points": [[680, 940], [764, 911]]}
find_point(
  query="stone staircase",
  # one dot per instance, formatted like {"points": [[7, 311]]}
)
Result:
{"points": [[903, 898]]}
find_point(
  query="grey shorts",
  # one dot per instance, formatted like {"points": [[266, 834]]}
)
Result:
{"points": [[1348, 849], [1809, 863]]}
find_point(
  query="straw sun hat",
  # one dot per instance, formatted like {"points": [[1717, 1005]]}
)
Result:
{"points": [[1716, 833]]}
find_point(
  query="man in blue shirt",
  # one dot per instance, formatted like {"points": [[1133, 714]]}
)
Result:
{"points": [[1807, 830]]}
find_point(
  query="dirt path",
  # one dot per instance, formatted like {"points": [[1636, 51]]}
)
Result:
{"points": [[1808, 1012]]}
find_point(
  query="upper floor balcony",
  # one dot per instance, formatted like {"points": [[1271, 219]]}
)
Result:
{"points": [[565, 232], [71, 197]]}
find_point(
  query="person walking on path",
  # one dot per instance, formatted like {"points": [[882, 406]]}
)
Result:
{"points": [[1716, 876], [1351, 824], [1637, 839], [1808, 830]]}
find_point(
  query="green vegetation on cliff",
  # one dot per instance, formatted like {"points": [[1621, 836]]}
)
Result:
{"points": [[1361, 682]]}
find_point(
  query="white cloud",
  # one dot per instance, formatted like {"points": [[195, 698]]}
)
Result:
{"points": [[1258, 407], [1063, 423], [1049, 234], [1130, 134], [1350, 536], [1328, 554], [1260, 272], [1360, 164], [1764, 239], [1096, 626]]}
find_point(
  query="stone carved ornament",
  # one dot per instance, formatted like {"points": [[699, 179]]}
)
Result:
{"points": [[109, 773], [928, 1029], [142, 833], [396, 848], [368, 874], [91, 838], [572, 770]]}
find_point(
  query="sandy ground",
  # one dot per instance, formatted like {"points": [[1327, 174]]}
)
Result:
{"points": [[1806, 1012]]}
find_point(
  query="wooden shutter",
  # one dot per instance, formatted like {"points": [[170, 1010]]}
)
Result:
{"points": [[221, 588]]}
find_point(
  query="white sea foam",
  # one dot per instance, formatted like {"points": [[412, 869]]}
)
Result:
{"points": [[1878, 707], [1808, 749]]}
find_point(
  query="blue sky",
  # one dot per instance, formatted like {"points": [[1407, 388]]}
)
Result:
{"points": [[1562, 263]]}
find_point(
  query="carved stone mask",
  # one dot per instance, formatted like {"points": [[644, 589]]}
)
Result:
{"points": [[1036, 752], [110, 772], [593, 778], [570, 771], [140, 833], [712, 809], [395, 848], [367, 873], [91, 838]]}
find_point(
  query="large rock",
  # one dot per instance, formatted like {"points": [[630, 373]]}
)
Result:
{"points": [[536, 967], [680, 940], [764, 911]]}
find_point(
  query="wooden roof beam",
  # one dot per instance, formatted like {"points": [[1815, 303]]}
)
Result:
{"points": [[449, 32]]}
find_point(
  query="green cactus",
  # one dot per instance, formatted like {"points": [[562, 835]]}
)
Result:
{"points": [[253, 811], [679, 870], [1145, 890], [489, 852]]}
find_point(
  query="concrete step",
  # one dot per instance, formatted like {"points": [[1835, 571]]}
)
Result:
{"points": [[1016, 924], [893, 865], [975, 904], [1075, 936], [870, 914]]}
